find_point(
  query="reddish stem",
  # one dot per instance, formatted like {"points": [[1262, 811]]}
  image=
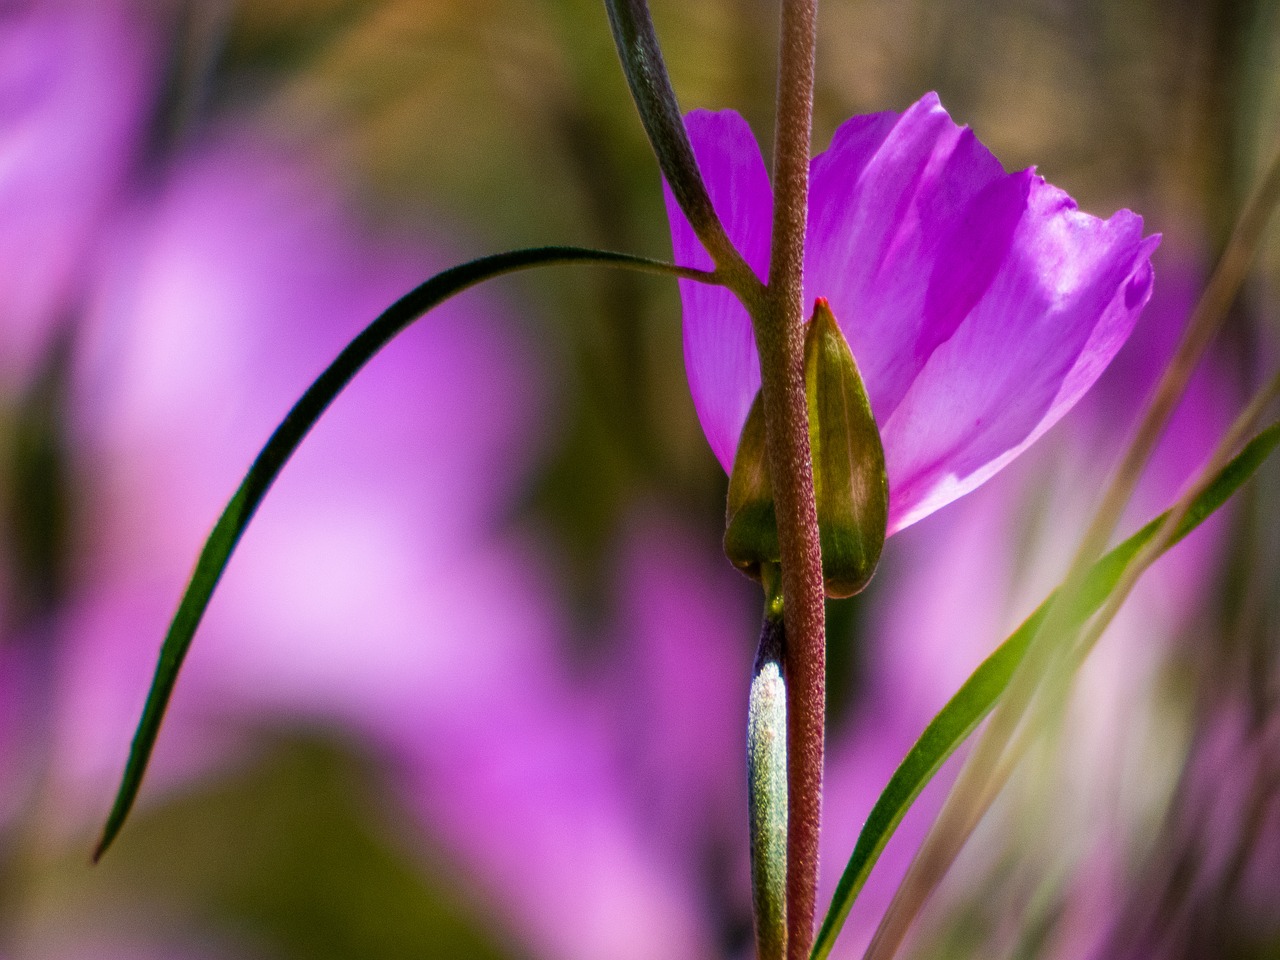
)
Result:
{"points": [[780, 338]]}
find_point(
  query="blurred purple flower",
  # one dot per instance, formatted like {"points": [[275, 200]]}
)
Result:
{"points": [[76, 91], [229, 289], [353, 597], [77, 81], [980, 305], [1209, 885], [207, 302], [604, 807]]}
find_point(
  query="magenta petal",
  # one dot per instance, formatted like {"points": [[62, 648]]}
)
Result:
{"points": [[1060, 305], [719, 350], [888, 200]]}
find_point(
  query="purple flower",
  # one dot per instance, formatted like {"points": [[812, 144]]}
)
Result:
{"points": [[980, 305]]}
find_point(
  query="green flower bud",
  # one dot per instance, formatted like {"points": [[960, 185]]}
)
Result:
{"points": [[751, 525], [850, 485], [849, 480]]}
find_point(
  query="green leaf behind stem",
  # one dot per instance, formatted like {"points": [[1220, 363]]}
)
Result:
{"points": [[974, 700], [284, 441]]}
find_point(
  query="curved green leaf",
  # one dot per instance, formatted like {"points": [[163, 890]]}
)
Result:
{"points": [[974, 700], [280, 447]]}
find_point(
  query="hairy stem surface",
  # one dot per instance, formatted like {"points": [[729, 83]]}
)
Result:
{"points": [[780, 339]]}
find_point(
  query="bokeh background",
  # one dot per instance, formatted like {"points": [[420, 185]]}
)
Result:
{"points": [[475, 684]]}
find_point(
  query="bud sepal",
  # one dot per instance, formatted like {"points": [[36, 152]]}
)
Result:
{"points": [[850, 484]]}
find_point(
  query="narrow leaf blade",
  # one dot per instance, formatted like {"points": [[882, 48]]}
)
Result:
{"points": [[230, 527]]}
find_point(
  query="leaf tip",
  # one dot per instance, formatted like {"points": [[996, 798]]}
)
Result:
{"points": [[103, 843], [115, 820]]}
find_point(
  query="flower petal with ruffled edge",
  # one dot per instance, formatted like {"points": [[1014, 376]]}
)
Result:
{"points": [[980, 304]]}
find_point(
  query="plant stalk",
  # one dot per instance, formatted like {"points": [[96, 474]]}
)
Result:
{"points": [[780, 340]]}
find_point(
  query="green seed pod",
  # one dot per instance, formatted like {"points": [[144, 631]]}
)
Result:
{"points": [[849, 480]]}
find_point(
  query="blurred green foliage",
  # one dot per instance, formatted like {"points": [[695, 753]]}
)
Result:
{"points": [[293, 854]]}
